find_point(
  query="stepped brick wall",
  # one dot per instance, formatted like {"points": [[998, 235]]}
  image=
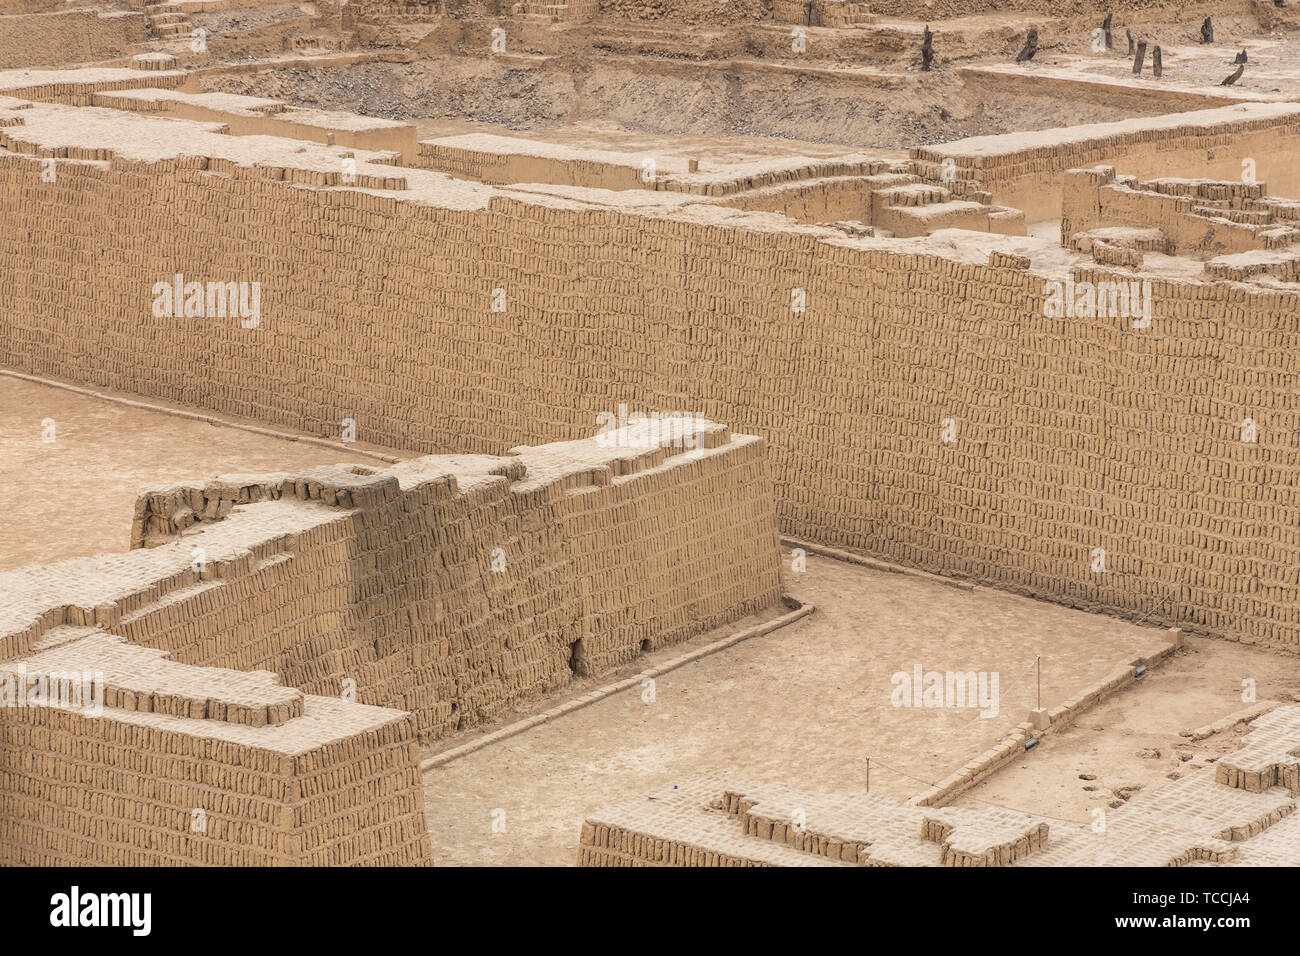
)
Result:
{"points": [[1073, 434], [498, 160], [451, 587], [1197, 216], [1239, 812], [830, 199], [231, 642], [1026, 170], [166, 773]]}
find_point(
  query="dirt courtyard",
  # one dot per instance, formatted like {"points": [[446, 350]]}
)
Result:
{"points": [[78, 488], [1133, 742], [806, 702]]}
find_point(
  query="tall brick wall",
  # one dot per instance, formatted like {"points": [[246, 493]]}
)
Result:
{"points": [[75, 36], [241, 653], [1073, 434], [453, 588]]}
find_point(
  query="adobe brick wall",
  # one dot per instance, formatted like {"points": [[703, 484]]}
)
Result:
{"points": [[454, 588], [1026, 170], [134, 787], [1194, 216], [458, 157], [938, 10], [451, 587], [75, 36], [1074, 434], [257, 116]]}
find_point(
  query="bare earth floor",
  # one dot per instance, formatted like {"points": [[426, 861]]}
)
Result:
{"points": [[76, 494], [1133, 743], [807, 702]]}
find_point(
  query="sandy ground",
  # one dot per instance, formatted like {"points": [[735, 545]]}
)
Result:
{"points": [[1273, 65], [712, 151], [1132, 743], [864, 88], [76, 495], [805, 704], [567, 94]]}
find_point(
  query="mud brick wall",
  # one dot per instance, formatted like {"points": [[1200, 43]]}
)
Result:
{"points": [[489, 166], [73, 37], [675, 830], [403, 596], [1283, 265], [680, 551], [1095, 197], [76, 88], [360, 802], [1193, 819], [256, 116], [1073, 434], [937, 10], [47, 6], [825, 200], [121, 789], [1208, 143], [388, 580], [786, 175], [330, 576], [372, 12], [502, 160]]}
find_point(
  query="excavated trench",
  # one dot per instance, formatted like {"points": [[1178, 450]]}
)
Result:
{"points": [[889, 111]]}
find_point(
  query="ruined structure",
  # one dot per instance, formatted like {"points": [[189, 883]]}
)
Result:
{"points": [[1238, 815], [1011, 312], [447, 587], [920, 503]]}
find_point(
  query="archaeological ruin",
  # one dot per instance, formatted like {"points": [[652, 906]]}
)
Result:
{"points": [[630, 433]]}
